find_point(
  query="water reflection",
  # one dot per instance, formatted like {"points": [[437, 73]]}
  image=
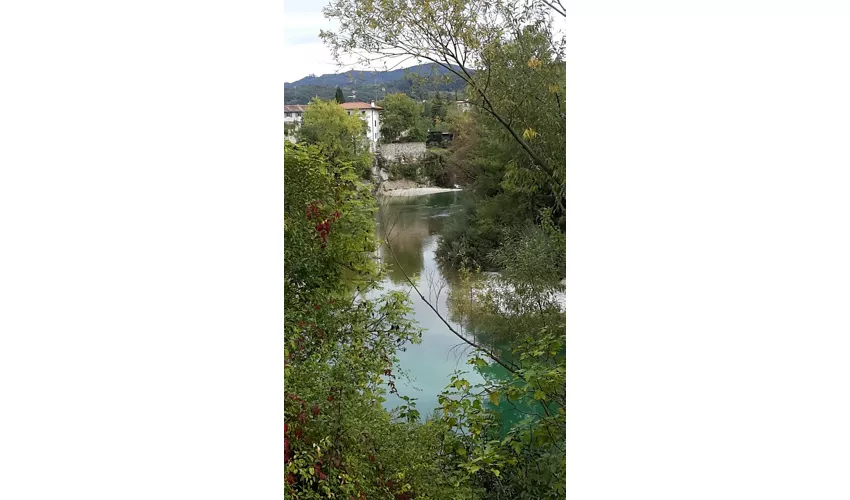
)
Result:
{"points": [[413, 227], [411, 224]]}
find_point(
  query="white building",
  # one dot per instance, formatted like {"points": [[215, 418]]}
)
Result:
{"points": [[371, 114], [463, 105], [292, 113], [292, 120], [368, 112]]}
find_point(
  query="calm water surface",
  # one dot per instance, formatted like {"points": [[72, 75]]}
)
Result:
{"points": [[413, 226]]}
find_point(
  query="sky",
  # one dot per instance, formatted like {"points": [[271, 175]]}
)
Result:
{"points": [[305, 52]]}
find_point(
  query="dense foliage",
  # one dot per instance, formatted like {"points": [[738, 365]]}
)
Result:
{"points": [[515, 440], [338, 135], [509, 189], [401, 119]]}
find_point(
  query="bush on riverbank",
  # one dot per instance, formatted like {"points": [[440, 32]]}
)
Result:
{"points": [[511, 188]]}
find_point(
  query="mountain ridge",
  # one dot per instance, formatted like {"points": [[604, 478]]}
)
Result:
{"points": [[369, 76], [368, 85]]}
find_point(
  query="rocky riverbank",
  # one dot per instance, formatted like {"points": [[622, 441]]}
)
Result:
{"points": [[415, 191]]}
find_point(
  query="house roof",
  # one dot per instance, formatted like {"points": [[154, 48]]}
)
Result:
{"points": [[359, 105], [300, 108]]}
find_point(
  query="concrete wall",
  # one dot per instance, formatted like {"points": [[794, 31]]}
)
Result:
{"points": [[402, 151]]}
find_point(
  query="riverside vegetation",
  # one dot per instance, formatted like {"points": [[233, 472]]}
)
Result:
{"points": [[497, 437]]}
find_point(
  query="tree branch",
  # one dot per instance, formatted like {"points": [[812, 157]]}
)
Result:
{"points": [[449, 326]]}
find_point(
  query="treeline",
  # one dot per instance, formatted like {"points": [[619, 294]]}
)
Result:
{"points": [[303, 94]]}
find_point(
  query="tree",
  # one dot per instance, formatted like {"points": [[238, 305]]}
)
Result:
{"points": [[401, 119], [438, 111], [508, 192], [338, 135], [339, 97]]}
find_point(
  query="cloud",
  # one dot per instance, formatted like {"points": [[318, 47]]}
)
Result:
{"points": [[306, 59]]}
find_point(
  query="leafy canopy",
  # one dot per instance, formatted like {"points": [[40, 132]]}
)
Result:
{"points": [[338, 135], [401, 119]]}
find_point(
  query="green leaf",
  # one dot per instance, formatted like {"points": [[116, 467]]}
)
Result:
{"points": [[494, 398], [539, 395]]}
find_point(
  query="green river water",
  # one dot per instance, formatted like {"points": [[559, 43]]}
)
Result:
{"points": [[413, 226]]}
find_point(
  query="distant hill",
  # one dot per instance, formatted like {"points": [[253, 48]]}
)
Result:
{"points": [[367, 85]]}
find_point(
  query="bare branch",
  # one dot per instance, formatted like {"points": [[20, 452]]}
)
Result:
{"points": [[448, 325]]}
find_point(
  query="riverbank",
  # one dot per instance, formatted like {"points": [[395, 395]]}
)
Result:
{"points": [[417, 191]]}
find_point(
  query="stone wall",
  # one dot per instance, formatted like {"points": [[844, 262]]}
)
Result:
{"points": [[402, 151]]}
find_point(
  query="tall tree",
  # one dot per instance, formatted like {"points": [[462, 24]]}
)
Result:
{"points": [[338, 135], [401, 119], [438, 111], [509, 192], [339, 97]]}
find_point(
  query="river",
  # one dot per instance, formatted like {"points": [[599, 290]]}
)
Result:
{"points": [[413, 226]]}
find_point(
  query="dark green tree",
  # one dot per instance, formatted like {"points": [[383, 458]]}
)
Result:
{"points": [[401, 119], [437, 110], [339, 97]]}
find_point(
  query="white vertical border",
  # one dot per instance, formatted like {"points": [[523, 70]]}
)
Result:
{"points": [[707, 251], [141, 252]]}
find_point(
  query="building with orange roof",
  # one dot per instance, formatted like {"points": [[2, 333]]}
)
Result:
{"points": [[368, 112]]}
